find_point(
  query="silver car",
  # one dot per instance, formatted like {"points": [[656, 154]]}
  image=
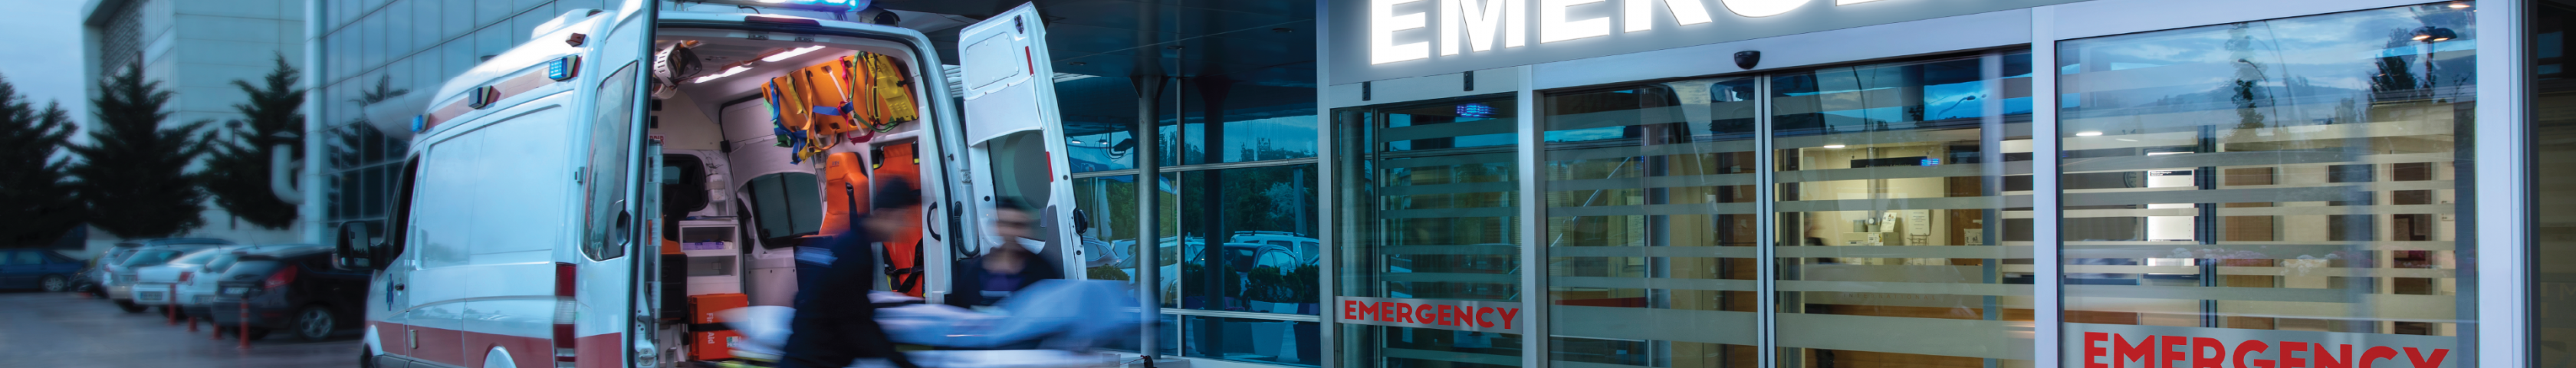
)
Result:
{"points": [[119, 275]]}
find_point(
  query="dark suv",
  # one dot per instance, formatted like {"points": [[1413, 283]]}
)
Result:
{"points": [[294, 290]]}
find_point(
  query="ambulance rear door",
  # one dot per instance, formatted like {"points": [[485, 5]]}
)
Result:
{"points": [[1015, 141]]}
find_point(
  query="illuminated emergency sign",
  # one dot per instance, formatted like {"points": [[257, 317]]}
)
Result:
{"points": [[1462, 315], [1479, 24]]}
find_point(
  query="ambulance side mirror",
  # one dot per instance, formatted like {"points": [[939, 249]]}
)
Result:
{"points": [[359, 242]]}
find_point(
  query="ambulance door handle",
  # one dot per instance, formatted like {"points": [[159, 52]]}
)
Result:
{"points": [[926, 222]]}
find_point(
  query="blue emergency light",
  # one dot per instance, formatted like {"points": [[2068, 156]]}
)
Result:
{"points": [[418, 122], [563, 68]]}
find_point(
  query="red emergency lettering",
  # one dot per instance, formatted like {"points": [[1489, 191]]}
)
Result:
{"points": [[1448, 315], [1386, 311], [2121, 351], [1507, 316], [2331, 360], [1426, 315], [2166, 356], [2217, 353], [1480, 317], [1350, 309], [2093, 349], [1404, 313], [2250, 347], [2290, 354], [2421, 362], [2376, 353]]}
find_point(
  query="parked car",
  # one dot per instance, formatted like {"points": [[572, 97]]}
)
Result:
{"points": [[37, 269], [294, 290], [120, 276], [197, 294], [154, 285]]}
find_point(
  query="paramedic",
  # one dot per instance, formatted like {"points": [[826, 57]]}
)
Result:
{"points": [[835, 323], [1008, 267]]}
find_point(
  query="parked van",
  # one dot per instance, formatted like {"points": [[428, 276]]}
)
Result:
{"points": [[584, 199]]}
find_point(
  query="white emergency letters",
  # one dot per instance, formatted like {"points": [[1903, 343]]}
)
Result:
{"points": [[1480, 24]]}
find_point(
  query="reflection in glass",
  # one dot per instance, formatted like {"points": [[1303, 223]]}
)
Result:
{"points": [[1430, 210], [2300, 175], [1896, 217], [1099, 116], [1109, 244], [1253, 340], [2553, 143], [1240, 121], [1260, 223], [1651, 227]]}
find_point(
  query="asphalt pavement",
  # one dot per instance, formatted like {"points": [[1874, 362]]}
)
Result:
{"points": [[69, 330]]}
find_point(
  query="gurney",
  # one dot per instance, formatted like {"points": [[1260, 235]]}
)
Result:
{"points": [[1062, 319]]}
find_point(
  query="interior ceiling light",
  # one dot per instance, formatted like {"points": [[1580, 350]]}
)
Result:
{"points": [[737, 68], [2088, 134], [2459, 5], [790, 53], [1831, 146]]}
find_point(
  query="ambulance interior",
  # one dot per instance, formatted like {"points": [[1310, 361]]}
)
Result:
{"points": [[735, 202]]}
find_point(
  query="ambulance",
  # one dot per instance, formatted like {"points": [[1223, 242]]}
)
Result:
{"points": [[591, 197]]}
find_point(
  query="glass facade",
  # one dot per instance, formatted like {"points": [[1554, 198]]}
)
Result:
{"points": [[2293, 182], [1238, 253], [2268, 193]]}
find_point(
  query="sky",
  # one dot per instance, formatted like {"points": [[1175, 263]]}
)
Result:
{"points": [[45, 58]]}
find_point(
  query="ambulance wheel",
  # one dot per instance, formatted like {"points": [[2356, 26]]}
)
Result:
{"points": [[130, 307]]}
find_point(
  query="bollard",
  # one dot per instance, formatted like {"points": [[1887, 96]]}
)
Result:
{"points": [[172, 313], [245, 321]]}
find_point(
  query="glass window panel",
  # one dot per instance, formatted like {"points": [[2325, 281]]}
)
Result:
{"points": [[1430, 201], [1891, 208], [2260, 168], [1109, 206], [1253, 340], [1261, 222], [1099, 117], [1239, 121], [1651, 228], [2553, 143]]}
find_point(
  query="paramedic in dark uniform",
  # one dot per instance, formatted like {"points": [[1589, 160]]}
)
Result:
{"points": [[1007, 267], [835, 323]]}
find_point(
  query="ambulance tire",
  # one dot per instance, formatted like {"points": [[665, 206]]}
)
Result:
{"points": [[130, 307]]}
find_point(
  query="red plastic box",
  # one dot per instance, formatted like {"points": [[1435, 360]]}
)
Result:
{"points": [[703, 308]]}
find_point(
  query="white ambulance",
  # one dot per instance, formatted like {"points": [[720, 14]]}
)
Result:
{"points": [[566, 203]]}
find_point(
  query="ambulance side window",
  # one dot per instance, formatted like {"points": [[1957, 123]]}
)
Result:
{"points": [[609, 227]]}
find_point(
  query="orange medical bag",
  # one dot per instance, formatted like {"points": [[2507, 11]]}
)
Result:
{"points": [[900, 163]]}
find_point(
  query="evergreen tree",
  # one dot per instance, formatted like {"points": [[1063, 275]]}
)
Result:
{"points": [[35, 199], [237, 171], [133, 175]]}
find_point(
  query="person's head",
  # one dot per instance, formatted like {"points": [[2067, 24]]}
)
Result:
{"points": [[893, 206], [1012, 219]]}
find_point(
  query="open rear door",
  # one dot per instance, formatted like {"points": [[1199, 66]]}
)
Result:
{"points": [[613, 287], [1016, 141]]}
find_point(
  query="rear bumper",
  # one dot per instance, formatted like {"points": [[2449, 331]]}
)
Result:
{"points": [[229, 313], [149, 294], [120, 292]]}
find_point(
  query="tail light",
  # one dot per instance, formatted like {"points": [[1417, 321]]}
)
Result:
{"points": [[185, 275], [285, 275]]}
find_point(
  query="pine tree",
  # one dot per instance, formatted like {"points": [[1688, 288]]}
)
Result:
{"points": [[133, 175], [35, 199], [237, 171]]}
